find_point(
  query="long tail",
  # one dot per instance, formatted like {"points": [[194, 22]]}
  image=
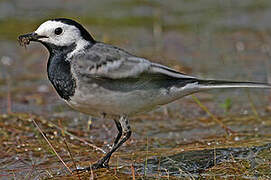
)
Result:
{"points": [[192, 85], [216, 84]]}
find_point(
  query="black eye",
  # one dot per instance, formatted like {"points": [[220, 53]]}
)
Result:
{"points": [[58, 31]]}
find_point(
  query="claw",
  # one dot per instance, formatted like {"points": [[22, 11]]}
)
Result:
{"points": [[95, 166], [100, 165]]}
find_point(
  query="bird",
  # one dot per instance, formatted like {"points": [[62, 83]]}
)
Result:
{"points": [[103, 80]]}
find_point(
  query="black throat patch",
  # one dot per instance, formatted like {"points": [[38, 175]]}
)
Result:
{"points": [[59, 70]]}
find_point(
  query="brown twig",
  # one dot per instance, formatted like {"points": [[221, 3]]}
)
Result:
{"points": [[253, 108], [70, 154], [76, 137], [51, 146], [228, 130], [133, 171], [91, 173]]}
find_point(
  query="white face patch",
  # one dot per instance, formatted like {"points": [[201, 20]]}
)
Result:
{"points": [[69, 35]]}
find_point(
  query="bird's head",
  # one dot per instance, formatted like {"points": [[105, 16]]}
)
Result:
{"points": [[59, 32]]}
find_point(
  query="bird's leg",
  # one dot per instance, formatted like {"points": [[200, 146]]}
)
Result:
{"points": [[118, 125], [122, 126]]}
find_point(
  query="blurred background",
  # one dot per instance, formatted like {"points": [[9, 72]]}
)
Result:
{"points": [[213, 39], [210, 39]]}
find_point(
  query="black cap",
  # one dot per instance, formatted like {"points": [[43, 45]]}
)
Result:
{"points": [[84, 33]]}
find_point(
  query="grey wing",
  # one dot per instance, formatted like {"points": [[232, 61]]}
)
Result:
{"points": [[119, 71], [106, 61]]}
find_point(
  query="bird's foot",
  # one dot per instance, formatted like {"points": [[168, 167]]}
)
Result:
{"points": [[99, 165], [95, 166]]}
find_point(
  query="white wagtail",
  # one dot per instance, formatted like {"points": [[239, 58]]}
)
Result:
{"points": [[103, 80]]}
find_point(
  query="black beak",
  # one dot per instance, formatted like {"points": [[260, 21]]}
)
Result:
{"points": [[26, 38]]}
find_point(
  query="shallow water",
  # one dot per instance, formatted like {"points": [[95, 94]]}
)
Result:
{"points": [[210, 39]]}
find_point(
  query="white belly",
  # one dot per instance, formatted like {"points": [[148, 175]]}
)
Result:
{"points": [[99, 102]]}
